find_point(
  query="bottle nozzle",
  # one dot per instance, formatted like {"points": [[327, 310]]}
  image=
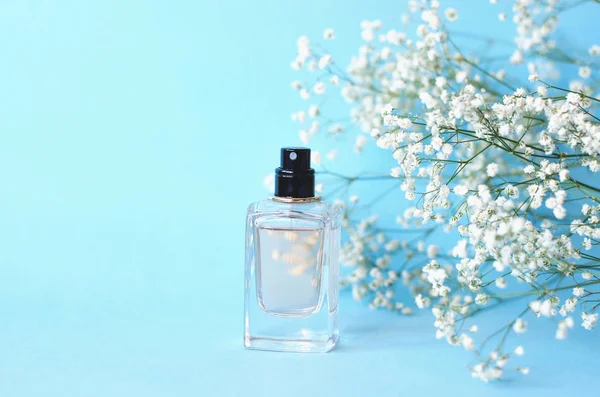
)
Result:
{"points": [[294, 178]]}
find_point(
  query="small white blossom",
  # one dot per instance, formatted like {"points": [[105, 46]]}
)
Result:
{"points": [[520, 326], [501, 282], [486, 373], [589, 320], [360, 143], [481, 299], [542, 308], [304, 137], [324, 61], [467, 342], [451, 14], [519, 351], [492, 170], [315, 158], [563, 175], [304, 94], [319, 88], [460, 190], [563, 328], [517, 57], [421, 301], [432, 251], [585, 72]]}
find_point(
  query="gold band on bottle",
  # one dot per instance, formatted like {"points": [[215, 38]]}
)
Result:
{"points": [[296, 199]]}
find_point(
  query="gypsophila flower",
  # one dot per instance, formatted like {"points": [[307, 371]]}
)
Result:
{"points": [[315, 158], [467, 342], [563, 328], [432, 251], [519, 351], [451, 14], [481, 299], [578, 292], [319, 88], [485, 372], [519, 326], [324, 61], [360, 143], [501, 282], [594, 50], [328, 34], [517, 57], [492, 170], [304, 94], [585, 72], [588, 320], [460, 190], [587, 275], [304, 136], [421, 301], [313, 111], [542, 308]]}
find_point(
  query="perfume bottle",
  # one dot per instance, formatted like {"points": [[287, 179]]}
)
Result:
{"points": [[292, 268]]}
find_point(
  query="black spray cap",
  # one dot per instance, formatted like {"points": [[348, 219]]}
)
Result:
{"points": [[294, 178]]}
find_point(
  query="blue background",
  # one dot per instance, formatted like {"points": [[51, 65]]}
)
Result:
{"points": [[133, 134]]}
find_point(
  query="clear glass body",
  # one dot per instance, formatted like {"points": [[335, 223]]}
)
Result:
{"points": [[292, 276]]}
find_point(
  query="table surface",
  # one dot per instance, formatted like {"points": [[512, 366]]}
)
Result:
{"points": [[190, 344]]}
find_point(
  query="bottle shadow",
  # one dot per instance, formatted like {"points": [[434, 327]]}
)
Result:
{"points": [[376, 331]]}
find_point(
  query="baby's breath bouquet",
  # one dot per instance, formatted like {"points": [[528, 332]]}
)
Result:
{"points": [[506, 165]]}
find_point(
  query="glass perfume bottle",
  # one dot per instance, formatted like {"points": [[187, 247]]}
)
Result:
{"points": [[292, 268]]}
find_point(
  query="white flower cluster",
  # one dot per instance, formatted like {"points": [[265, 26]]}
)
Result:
{"points": [[370, 253], [510, 172], [534, 24]]}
